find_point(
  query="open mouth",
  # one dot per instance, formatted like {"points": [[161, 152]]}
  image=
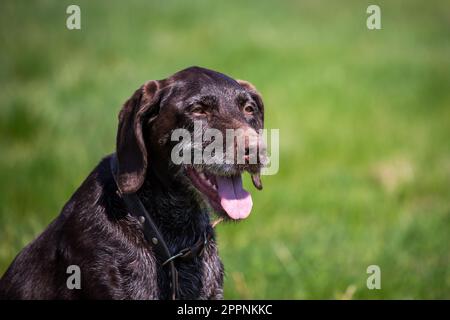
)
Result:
{"points": [[225, 193]]}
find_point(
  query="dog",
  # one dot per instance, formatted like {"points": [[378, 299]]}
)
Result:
{"points": [[103, 238]]}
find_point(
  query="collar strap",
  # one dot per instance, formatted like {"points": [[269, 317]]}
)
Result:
{"points": [[154, 237]]}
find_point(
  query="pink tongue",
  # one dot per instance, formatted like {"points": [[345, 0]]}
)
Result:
{"points": [[234, 199]]}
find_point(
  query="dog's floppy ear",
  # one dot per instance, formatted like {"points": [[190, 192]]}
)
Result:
{"points": [[255, 94], [132, 158]]}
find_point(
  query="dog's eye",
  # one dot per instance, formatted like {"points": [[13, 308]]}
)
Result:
{"points": [[198, 110], [249, 109]]}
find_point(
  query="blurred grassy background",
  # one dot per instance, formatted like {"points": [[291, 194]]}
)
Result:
{"points": [[363, 116]]}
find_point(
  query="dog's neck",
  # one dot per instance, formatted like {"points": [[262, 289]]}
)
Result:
{"points": [[174, 208]]}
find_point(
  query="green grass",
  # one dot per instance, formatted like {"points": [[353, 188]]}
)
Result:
{"points": [[363, 116]]}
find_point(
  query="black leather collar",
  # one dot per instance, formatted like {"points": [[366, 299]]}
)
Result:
{"points": [[154, 237]]}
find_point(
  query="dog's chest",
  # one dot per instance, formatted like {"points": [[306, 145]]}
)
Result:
{"points": [[142, 276], [198, 278]]}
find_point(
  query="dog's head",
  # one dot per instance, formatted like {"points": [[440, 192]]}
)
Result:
{"points": [[204, 105]]}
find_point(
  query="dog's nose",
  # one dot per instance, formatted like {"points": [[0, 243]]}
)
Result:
{"points": [[251, 143], [247, 154]]}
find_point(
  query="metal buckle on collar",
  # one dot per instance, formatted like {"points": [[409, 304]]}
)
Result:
{"points": [[198, 248], [180, 254]]}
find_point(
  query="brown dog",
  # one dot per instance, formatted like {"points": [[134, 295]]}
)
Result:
{"points": [[98, 234]]}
